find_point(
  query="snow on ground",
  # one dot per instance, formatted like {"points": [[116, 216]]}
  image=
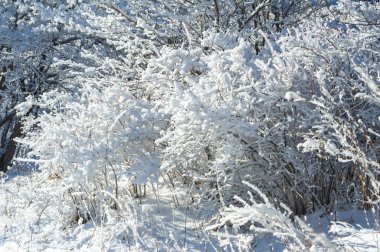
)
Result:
{"points": [[30, 221], [26, 225], [351, 230]]}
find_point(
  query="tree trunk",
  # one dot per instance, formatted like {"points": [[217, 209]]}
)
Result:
{"points": [[11, 147]]}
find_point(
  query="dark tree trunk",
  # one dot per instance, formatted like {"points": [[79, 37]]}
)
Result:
{"points": [[11, 146]]}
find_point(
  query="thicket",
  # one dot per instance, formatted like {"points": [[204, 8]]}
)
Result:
{"points": [[209, 98]]}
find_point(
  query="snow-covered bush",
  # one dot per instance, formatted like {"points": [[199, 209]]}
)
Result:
{"points": [[45, 46], [95, 141], [197, 97], [230, 117], [260, 216], [239, 116], [339, 61]]}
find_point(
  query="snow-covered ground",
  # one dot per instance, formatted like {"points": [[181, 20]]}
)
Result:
{"points": [[350, 230], [31, 221], [28, 225]]}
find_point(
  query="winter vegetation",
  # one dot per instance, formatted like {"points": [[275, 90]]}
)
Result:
{"points": [[189, 125]]}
